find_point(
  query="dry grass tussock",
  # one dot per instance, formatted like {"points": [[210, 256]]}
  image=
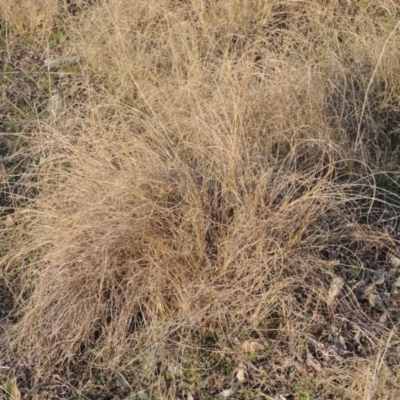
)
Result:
{"points": [[213, 169]]}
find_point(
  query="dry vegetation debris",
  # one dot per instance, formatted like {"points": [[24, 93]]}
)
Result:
{"points": [[200, 199]]}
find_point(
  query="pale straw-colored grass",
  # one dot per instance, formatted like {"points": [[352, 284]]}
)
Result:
{"points": [[204, 193]]}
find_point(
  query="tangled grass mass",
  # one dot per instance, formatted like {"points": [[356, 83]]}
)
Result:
{"points": [[199, 198]]}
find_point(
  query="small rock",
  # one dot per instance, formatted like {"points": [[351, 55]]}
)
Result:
{"points": [[380, 300], [394, 261], [227, 393], [396, 283], [379, 277], [251, 346], [372, 299]]}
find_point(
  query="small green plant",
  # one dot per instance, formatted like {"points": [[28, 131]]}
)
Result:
{"points": [[354, 271], [7, 75], [303, 390], [11, 388], [58, 36]]}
